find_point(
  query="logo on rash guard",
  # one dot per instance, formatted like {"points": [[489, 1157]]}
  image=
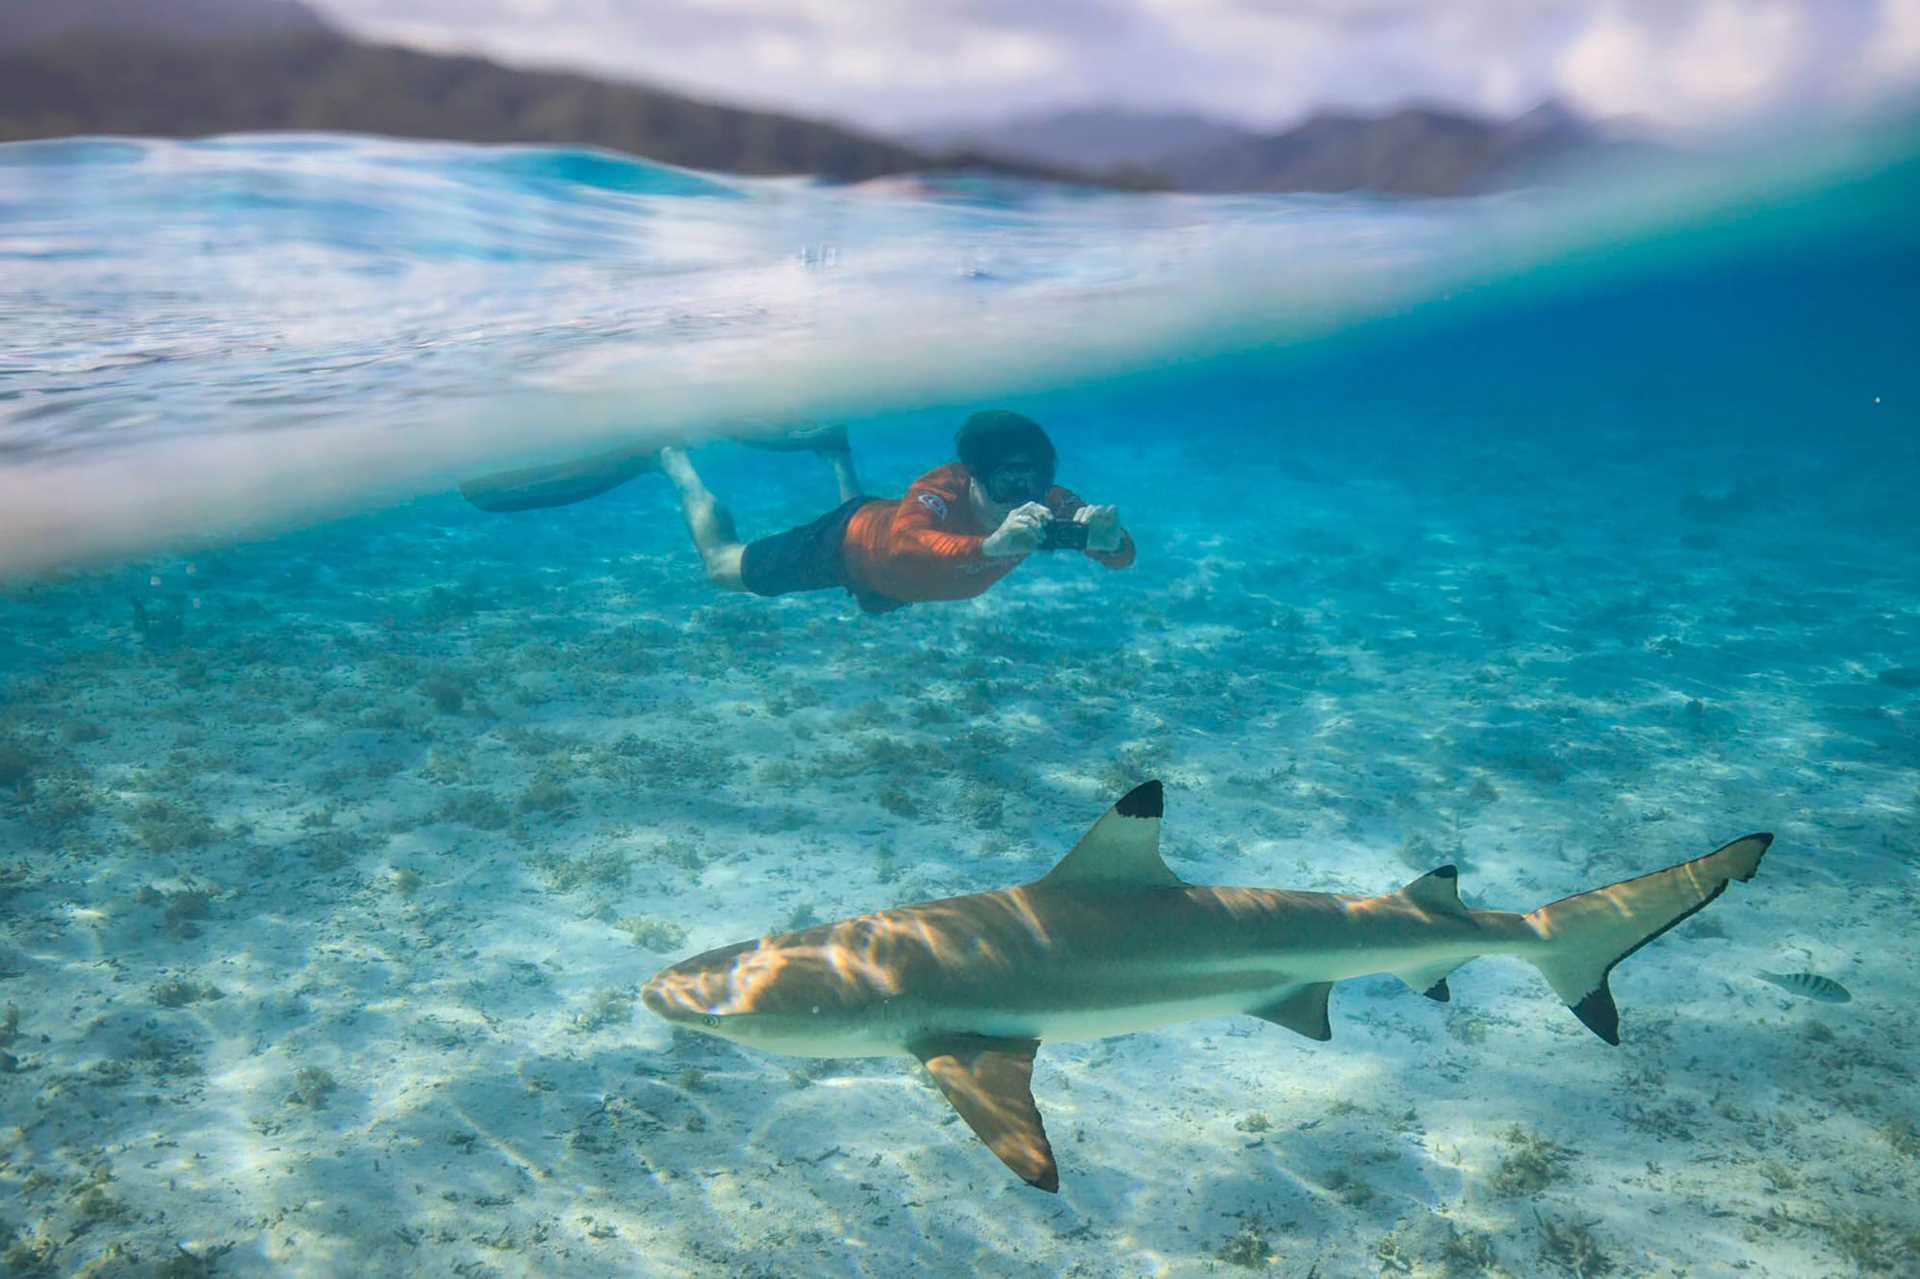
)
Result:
{"points": [[935, 503]]}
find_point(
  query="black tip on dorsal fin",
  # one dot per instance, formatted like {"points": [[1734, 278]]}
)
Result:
{"points": [[1145, 800], [1439, 992]]}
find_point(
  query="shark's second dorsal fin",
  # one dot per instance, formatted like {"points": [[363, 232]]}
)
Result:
{"points": [[1437, 892], [1123, 847]]}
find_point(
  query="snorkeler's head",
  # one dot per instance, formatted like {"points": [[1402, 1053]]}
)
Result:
{"points": [[1009, 454]]}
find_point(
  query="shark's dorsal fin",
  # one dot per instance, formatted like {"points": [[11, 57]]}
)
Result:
{"points": [[1123, 847], [1437, 892], [1303, 1011], [990, 1082]]}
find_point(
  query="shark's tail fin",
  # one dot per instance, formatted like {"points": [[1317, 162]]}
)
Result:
{"points": [[1587, 934]]}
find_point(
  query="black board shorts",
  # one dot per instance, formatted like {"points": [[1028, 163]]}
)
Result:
{"points": [[811, 557]]}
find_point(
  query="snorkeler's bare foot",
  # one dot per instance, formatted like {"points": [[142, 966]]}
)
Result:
{"points": [[560, 484], [678, 467]]}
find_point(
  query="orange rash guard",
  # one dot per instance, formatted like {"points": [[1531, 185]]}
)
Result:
{"points": [[926, 546]]}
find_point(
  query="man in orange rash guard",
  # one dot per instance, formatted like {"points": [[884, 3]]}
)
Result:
{"points": [[959, 529]]}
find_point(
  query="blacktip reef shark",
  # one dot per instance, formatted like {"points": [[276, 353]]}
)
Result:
{"points": [[1112, 941]]}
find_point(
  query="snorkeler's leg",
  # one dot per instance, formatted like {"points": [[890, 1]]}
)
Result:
{"points": [[707, 521], [829, 442], [844, 474]]}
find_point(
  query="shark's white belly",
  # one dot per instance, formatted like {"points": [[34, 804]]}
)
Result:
{"points": [[1067, 1023], [1071, 1024], [1148, 996], [895, 1027]]}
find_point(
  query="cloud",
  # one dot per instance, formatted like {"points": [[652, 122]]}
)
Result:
{"points": [[893, 64], [1892, 64], [1717, 62]]}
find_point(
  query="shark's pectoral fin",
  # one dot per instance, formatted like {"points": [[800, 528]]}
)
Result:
{"points": [[990, 1082], [1302, 1010]]}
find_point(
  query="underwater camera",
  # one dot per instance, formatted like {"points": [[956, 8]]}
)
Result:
{"points": [[1065, 535]]}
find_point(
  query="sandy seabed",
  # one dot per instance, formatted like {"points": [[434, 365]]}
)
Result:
{"points": [[328, 880]]}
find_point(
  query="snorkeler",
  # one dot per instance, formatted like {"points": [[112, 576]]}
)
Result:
{"points": [[960, 528]]}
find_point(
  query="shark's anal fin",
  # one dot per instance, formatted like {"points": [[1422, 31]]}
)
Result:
{"points": [[1302, 1010], [990, 1082]]}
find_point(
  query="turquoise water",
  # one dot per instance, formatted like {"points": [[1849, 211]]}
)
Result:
{"points": [[1561, 536]]}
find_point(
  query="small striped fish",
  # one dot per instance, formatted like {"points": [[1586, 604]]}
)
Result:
{"points": [[1810, 985]]}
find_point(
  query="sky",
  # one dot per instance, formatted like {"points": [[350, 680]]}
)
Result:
{"points": [[900, 65]]}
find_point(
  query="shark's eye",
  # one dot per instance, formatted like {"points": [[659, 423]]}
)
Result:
{"points": [[711, 1020]]}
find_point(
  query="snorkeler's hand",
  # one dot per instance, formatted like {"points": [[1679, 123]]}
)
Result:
{"points": [[1020, 533], [1103, 527]]}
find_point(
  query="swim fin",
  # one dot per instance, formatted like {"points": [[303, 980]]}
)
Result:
{"points": [[807, 439], [560, 484]]}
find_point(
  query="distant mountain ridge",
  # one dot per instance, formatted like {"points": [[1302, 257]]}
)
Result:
{"points": [[233, 66], [1088, 137], [32, 22], [1414, 150], [185, 68], [1411, 151]]}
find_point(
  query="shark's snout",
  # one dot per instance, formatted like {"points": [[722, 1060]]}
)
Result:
{"points": [[691, 993], [654, 996], [701, 991], [677, 996]]}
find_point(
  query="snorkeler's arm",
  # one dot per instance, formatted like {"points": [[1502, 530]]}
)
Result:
{"points": [[917, 539], [1067, 505]]}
